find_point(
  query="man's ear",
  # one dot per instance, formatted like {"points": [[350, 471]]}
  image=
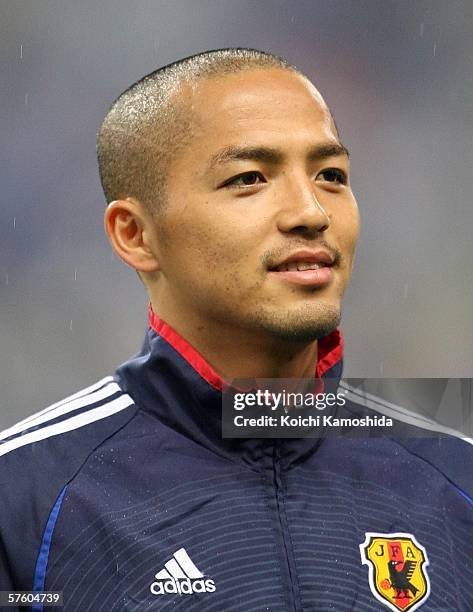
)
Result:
{"points": [[129, 227]]}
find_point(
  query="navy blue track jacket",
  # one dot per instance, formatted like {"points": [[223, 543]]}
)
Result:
{"points": [[125, 497]]}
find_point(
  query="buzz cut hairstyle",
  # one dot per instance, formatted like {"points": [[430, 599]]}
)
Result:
{"points": [[149, 123]]}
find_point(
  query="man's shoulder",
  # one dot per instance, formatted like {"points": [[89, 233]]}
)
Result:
{"points": [[53, 443], [444, 449], [40, 456]]}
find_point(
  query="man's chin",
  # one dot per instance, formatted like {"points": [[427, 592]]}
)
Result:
{"points": [[306, 325]]}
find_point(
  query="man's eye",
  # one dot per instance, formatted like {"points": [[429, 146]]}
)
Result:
{"points": [[334, 175], [246, 179]]}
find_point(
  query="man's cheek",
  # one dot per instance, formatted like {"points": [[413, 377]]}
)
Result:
{"points": [[348, 236]]}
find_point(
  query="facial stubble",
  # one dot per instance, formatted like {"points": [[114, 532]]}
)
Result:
{"points": [[311, 321]]}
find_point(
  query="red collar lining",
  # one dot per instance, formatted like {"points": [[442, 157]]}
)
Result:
{"points": [[330, 350]]}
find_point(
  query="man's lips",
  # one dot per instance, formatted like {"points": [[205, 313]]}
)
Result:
{"points": [[304, 259], [313, 278], [305, 267]]}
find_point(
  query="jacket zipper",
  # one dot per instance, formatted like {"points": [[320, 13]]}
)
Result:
{"points": [[285, 548]]}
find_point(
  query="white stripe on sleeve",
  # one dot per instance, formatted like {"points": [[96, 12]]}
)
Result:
{"points": [[80, 420]]}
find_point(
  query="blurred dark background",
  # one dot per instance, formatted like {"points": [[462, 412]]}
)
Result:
{"points": [[398, 76]]}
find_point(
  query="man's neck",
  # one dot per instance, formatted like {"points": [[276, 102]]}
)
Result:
{"points": [[240, 357], [235, 353]]}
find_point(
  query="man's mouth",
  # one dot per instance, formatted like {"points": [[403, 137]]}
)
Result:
{"points": [[298, 266], [306, 267]]}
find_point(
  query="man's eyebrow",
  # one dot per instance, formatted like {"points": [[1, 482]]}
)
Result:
{"points": [[272, 156], [329, 149], [250, 153]]}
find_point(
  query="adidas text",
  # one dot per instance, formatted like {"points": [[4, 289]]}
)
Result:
{"points": [[184, 586]]}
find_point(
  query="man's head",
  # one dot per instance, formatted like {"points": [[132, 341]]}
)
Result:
{"points": [[232, 175], [150, 122]]}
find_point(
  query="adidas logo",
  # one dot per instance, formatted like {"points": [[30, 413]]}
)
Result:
{"points": [[181, 576]]}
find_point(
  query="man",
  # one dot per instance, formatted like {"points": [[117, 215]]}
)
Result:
{"points": [[229, 194]]}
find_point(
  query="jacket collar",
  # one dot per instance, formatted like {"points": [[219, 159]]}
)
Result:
{"points": [[171, 382]]}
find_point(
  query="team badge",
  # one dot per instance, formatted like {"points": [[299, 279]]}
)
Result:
{"points": [[396, 570]]}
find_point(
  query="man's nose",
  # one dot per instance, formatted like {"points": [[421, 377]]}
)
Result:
{"points": [[301, 210]]}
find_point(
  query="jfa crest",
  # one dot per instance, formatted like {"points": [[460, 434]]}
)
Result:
{"points": [[397, 570]]}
